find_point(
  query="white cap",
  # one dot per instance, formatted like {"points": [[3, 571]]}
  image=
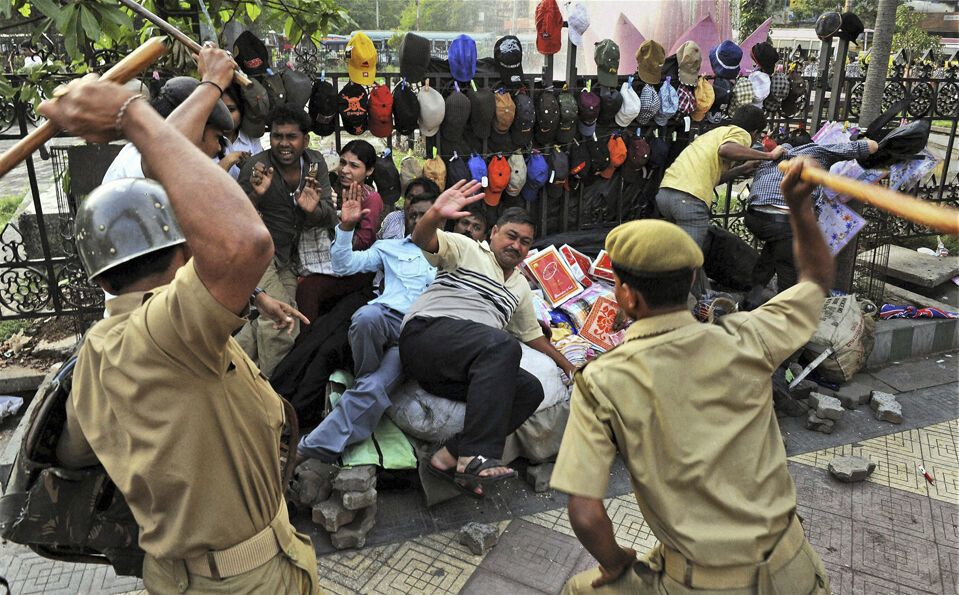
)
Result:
{"points": [[578, 22], [432, 110], [631, 105], [761, 85]]}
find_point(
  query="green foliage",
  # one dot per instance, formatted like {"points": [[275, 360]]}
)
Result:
{"points": [[8, 206], [363, 13], [809, 10], [752, 13], [910, 35], [440, 15]]}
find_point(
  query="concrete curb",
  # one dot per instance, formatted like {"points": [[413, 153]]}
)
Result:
{"points": [[898, 340]]}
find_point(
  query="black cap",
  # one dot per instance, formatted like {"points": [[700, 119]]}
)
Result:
{"points": [[500, 142], [406, 109], [547, 118], [177, 89], [765, 56], [671, 68], [598, 154], [387, 178], [558, 171], [525, 120], [414, 54], [455, 117], [589, 103], [508, 55], [456, 170], [579, 160], [322, 108], [637, 155], [354, 103], [658, 153], [251, 54], [610, 100], [482, 111], [851, 27], [828, 24]]}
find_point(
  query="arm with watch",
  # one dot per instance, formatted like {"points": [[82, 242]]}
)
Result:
{"points": [[283, 315]]}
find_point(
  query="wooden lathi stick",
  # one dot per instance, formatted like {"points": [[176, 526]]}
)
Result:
{"points": [[178, 35], [123, 71], [939, 218]]}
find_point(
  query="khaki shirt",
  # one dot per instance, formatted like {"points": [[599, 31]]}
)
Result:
{"points": [[470, 285], [689, 408], [181, 419]]}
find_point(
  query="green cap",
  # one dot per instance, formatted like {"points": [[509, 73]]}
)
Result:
{"points": [[607, 62]]}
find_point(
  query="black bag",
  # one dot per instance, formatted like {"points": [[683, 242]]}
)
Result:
{"points": [[901, 144], [729, 260]]}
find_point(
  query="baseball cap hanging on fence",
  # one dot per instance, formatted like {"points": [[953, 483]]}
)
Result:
{"points": [[456, 114], [578, 23], [432, 110], [568, 111], [498, 171], [322, 108], [606, 56], [522, 129], [387, 178], [827, 25], [478, 170], [559, 171], [765, 56], [361, 59], [761, 84], [462, 58], [508, 55], [725, 59], [547, 118], [704, 96], [690, 60], [381, 111], [482, 111], [649, 62], [456, 170], [631, 105], [414, 57], [298, 87], [517, 176], [610, 100], [435, 169], [616, 147], [549, 27], [649, 105], [537, 174], [354, 104], [406, 108], [668, 103], [851, 27], [505, 112], [251, 54]]}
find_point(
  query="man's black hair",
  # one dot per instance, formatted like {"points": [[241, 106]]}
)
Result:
{"points": [[662, 291], [750, 118], [126, 274], [427, 184], [515, 215], [287, 114], [424, 196]]}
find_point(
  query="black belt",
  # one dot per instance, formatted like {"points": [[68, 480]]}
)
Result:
{"points": [[777, 217]]}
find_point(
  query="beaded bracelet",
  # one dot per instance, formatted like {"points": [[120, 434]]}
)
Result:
{"points": [[218, 87], [123, 111]]}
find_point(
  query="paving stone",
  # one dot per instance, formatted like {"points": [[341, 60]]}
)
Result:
{"points": [[355, 479], [802, 390], [312, 483], [354, 534], [486, 582], [854, 393], [826, 407], [819, 424], [478, 537], [534, 556], [851, 468], [331, 514], [538, 477], [886, 407], [883, 551], [358, 500], [914, 267]]}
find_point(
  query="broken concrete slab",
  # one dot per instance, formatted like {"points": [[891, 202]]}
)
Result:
{"points": [[914, 267], [819, 424], [538, 477], [851, 468], [802, 390], [358, 500], [793, 407], [355, 479], [886, 407], [354, 534], [826, 407], [893, 294], [854, 393], [313, 482], [478, 537], [332, 515]]}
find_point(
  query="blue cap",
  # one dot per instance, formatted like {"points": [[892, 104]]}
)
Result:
{"points": [[537, 174], [478, 169], [462, 57], [725, 59]]}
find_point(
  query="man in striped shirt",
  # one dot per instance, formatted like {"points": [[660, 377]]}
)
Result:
{"points": [[460, 339]]}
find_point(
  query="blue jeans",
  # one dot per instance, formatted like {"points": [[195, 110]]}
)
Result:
{"points": [[374, 334], [692, 215]]}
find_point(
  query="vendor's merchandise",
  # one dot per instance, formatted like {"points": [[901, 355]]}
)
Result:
{"points": [[553, 275], [599, 326], [602, 267]]}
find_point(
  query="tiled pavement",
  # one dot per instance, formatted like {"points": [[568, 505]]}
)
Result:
{"points": [[894, 533]]}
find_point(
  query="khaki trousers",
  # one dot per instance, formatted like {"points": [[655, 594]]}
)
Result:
{"points": [[264, 344]]}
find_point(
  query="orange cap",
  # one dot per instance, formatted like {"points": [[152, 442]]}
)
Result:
{"points": [[617, 155], [498, 171]]}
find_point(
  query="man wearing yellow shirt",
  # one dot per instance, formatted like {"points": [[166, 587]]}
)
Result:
{"points": [[700, 441], [686, 192]]}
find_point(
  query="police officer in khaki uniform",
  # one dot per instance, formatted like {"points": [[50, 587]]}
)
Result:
{"points": [[162, 396], [688, 407]]}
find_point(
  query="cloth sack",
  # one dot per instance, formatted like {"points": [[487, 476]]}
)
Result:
{"points": [[850, 334]]}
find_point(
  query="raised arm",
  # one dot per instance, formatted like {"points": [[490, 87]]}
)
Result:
{"points": [[449, 205], [344, 259], [230, 245], [809, 247], [736, 152]]}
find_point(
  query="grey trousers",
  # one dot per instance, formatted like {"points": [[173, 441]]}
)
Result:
{"points": [[692, 215], [374, 334]]}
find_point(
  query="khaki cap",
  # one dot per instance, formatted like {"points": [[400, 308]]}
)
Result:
{"points": [[652, 247]]}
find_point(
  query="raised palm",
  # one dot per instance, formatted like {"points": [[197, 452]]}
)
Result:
{"points": [[454, 199], [352, 211]]}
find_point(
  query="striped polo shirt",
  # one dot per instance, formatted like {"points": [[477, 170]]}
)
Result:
{"points": [[470, 285]]}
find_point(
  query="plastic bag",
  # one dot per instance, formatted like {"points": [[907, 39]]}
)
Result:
{"points": [[9, 406]]}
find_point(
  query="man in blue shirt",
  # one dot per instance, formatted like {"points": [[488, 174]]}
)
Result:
{"points": [[375, 328]]}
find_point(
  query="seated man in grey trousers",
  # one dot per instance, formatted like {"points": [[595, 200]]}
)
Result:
{"points": [[375, 328]]}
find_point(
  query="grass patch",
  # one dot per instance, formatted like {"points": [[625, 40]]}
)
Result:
{"points": [[8, 206], [9, 328]]}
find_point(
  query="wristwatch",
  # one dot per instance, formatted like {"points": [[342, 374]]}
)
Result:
{"points": [[254, 295]]}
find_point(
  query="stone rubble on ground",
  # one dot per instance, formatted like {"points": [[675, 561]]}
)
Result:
{"points": [[358, 500], [819, 424], [853, 394], [886, 407], [803, 389], [355, 479], [538, 477], [478, 537], [851, 468], [826, 407], [331, 514], [354, 534], [312, 483], [343, 501]]}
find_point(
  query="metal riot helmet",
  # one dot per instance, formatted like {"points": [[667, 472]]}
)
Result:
{"points": [[122, 220]]}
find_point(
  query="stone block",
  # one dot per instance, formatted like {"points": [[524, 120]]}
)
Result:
{"points": [[794, 407], [802, 390], [355, 479], [853, 394], [796, 369], [851, 468], [358, 500], [886, 407], [313, 482], [826, 407], [818, 424], [332, 515], [538, 476], [478, 537], [354, 534]]}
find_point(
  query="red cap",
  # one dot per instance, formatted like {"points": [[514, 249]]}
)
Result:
{"points": [[498, 172], [381, 111], [769, 144], [549, 27], [617, 155]]}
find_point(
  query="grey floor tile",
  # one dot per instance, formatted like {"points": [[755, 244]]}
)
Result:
{"points": [[893, 510], [534, 556], [486, 582], [865, 584], [896, 558], [919, 373], [830, 535], [949, 564], [816, 489], [945, 522], [840, 578]]}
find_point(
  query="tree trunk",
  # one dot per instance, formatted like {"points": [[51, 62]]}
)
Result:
{"points": [[870, 109]]}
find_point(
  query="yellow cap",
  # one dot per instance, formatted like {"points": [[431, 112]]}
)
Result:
{"points": [[361, 59], [651, 247]]}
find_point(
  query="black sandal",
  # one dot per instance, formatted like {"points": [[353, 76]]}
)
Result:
{"points": [[471, 474], [450, 476]]}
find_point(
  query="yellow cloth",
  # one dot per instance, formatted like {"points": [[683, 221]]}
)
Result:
{"points": [[688, 406], [698, 168], [182, 420]]}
